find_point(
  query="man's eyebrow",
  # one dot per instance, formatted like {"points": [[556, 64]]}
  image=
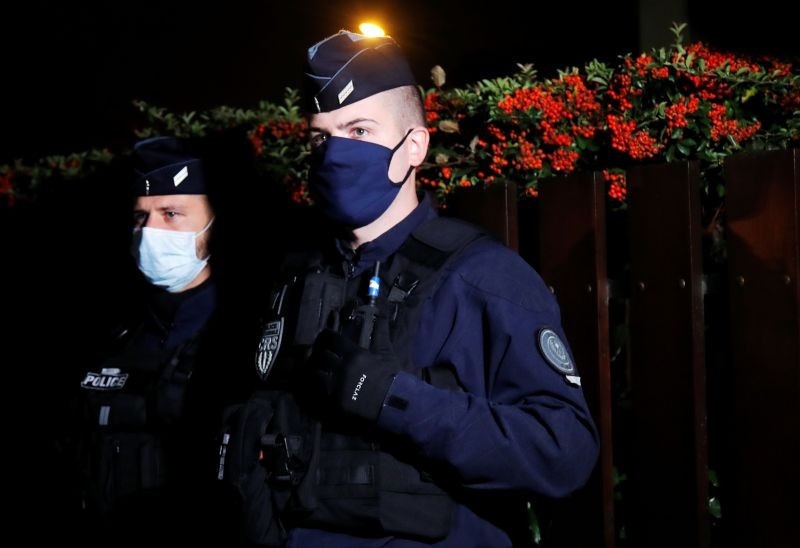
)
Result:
{"points": [[346, 125], [357, 121], [171, 207]]}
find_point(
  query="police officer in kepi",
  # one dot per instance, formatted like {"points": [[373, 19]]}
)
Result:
{"points": [[143, 426], [416, 384]]}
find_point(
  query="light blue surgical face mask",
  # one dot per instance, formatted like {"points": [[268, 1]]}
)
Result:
{"points": [[168, 258]]}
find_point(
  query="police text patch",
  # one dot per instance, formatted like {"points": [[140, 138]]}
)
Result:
{"points": [[107, 379]]}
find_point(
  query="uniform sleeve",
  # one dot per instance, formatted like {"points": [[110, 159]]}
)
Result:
{"points": [[519, 423]]}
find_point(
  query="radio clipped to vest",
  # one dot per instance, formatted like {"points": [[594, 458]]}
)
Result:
{"points": [[368, 312]]}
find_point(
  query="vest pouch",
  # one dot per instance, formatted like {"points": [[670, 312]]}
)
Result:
{"points": [[291, 456], [242, 466], [410, 504], [366, 492], [122, 465], [170, 391], [323, 296], [347, 490], [124, 411], [243, 427]]}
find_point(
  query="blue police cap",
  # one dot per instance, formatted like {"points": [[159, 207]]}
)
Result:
{"points": [[167, 165], [347, 67]]}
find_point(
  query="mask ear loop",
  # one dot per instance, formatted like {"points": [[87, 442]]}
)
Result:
{"points": [[206, 227], [395, 149], [198, 234]]}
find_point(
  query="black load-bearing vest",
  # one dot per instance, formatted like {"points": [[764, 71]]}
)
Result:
{"points": [[131, 403], [350, 477]]}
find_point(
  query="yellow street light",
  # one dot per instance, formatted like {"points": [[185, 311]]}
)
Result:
{"points": [[371, 29]]}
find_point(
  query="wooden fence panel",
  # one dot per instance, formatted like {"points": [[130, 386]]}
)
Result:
{"points": [[666, 455], [669, 474], [493, 207], [759, 502], [572, 244]]}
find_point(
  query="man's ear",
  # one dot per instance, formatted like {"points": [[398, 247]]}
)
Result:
{"points": [[418, 141]]}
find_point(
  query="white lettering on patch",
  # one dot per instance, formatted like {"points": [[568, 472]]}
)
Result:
{"points": [[105, 380], [358, 386]]}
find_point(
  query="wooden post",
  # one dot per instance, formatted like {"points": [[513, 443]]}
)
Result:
{"points": [[493, 207], [669, 474], [572, 243], [759, 502]]}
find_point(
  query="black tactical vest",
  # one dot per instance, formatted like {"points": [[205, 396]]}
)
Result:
{"points": [[132, 403], [338, 476]]}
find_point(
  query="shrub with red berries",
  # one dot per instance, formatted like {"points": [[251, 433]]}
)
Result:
{"points": [[678, 103], [681, 103]]}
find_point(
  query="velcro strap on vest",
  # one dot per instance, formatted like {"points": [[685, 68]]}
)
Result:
{"points": [[363, 474], [403, 285], [442, 235], [430, 246]]}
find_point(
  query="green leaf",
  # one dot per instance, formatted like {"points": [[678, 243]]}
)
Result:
{"points": [[714, 507], [712, 474], [750, 93], [533, 526]]}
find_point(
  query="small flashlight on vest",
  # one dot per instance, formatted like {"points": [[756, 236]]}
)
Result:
{"points": [[374, 284], [370, 310]]}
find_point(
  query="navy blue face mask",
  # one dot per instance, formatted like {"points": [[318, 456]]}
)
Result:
{"points": [[350, 180]]}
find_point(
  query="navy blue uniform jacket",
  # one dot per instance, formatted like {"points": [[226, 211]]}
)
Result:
{"points": [[519, 425]]}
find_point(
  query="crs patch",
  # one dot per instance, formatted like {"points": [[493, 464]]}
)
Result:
{"points": [[268, 346], [556, 355], [109, 378]]}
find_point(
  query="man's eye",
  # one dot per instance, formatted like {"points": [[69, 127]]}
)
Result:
{"points": [[171, 214], [360, 132], [318, 139]]}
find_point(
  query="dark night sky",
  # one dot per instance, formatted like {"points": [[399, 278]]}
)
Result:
{"points": [[94, 60]]}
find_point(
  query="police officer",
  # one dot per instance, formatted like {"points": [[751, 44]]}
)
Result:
{"points": [[143, 432], [417, 384]]}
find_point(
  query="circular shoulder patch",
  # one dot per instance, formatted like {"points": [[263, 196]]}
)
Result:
{"points": [[555, 352]]}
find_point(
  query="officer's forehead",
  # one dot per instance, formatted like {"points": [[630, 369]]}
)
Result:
{"points": [[170, 201], [375, 110]]}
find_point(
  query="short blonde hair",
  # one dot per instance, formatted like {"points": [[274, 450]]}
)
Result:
{"points": [[410, 111]]}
